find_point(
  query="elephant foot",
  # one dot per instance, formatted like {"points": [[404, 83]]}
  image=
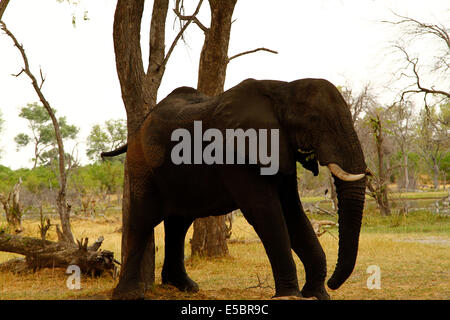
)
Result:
{"points": [[318, 292], [181, 283], [291, 294], [128, 292], [292, 298]]}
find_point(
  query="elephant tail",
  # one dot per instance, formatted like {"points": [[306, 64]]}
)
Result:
{"points": [[116, 152]]}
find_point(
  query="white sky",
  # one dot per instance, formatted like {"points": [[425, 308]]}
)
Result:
{"points": [[339, 40]]}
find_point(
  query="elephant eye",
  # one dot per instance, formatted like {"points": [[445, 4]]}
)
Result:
{"points": [[313, 118]]}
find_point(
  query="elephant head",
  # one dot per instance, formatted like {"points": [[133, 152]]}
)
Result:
{"points": [[319, 123]]}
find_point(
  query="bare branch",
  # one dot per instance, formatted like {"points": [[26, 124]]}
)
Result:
{"points": [[421, 89], [42, 78], [416, 29], [264, 284], [421, 28], [192, 17], [189, 19], [18, 74], [251, 51]]}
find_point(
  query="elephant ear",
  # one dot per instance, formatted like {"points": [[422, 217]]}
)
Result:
{"points": [[308, 161], [289, 105], [245, 107]]}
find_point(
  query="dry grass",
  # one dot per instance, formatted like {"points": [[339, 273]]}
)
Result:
{"points": [[410, 268]]}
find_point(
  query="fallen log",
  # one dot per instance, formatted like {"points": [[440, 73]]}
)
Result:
{"points": [[320, 226], [49, 254]]}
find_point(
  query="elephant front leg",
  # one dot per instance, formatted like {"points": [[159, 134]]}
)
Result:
{"points": [[259, 202], [304, 241], [173, 271]]}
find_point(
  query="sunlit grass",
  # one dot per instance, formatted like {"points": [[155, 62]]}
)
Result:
{"points": [[392, 195]]}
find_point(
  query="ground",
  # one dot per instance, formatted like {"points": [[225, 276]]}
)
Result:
{"points": [[411, 251]]}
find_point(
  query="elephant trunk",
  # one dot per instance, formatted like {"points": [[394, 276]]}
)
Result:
{"points": [[350, 208]]}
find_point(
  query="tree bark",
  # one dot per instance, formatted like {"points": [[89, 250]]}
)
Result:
{"points": [[214, 55], [210, 233], [130, 70], [3, 5]]}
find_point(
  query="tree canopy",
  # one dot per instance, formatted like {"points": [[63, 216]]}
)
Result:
{"points": [[42, 134]]}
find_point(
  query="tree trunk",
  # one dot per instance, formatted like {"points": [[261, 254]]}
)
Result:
{"points": [[13, 208], [139, 91], [444, 180], [406, 173], [210, 233], [3, 5], [436, 176], [333, 194], [381, 194], [210, 237]]}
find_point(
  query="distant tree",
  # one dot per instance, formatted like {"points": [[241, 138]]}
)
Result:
{"points": [[359, 104], [432, 141], [376, 121], [107, 137], [401, 126], [42, 133]]}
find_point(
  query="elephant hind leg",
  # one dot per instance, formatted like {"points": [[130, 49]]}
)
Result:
{"points": [[173, 271]]}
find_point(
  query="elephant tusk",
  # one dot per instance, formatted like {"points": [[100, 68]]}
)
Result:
{"points": [[341, 174]]}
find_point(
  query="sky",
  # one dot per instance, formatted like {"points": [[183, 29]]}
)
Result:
{"points": [[343, 41]]}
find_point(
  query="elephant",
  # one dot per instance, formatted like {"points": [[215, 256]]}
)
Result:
{"points": [[314, 127]]}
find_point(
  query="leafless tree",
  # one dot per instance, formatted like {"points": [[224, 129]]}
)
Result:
{"points": [[62, 205], [432, 142], [420, 81], [360, 102], [401, 128]]}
